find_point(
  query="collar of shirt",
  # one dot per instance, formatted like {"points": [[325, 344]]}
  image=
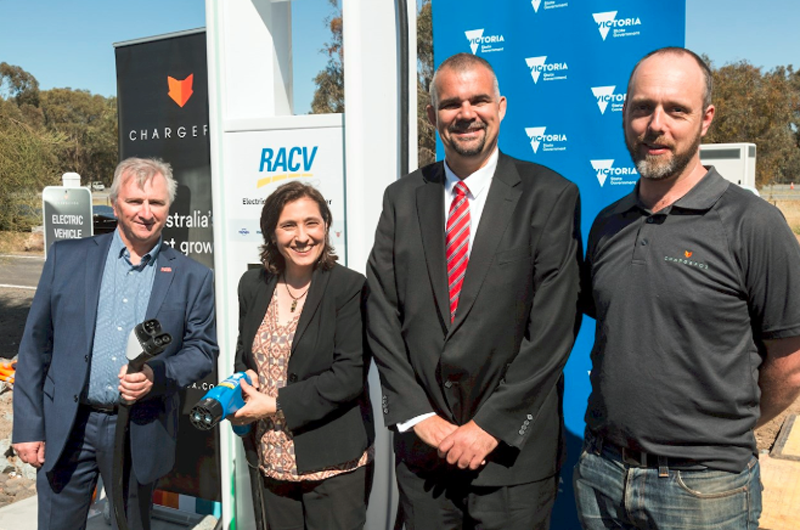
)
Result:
{"points": [[119, 250], [477, 182], [703, 196]]}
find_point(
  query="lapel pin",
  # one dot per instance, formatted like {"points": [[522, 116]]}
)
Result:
{"points": [[166, 269]]}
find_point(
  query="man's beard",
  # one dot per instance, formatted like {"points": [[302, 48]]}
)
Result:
{"points": [[655, 167], [468, 148]]}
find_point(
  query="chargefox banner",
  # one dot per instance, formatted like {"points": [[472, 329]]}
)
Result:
{"points": [[162, 97]]}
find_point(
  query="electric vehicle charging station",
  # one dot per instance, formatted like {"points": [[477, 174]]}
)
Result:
{"points": [[257, 143]]}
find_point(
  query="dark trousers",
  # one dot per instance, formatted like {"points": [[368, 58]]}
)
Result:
{"points": [[336, 503], [65, 494], [443, 498]]}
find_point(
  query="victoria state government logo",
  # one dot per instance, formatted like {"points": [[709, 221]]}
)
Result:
{"points": [[484, 43], [623, 27], [553, 71], [548, 142], [548, 4], [619, 175], [606, 95]]}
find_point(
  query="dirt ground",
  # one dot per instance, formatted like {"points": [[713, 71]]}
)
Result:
{"points": [[16, 478]]}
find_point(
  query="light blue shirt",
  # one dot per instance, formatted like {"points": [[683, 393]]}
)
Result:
{"points": [[124, 295]]}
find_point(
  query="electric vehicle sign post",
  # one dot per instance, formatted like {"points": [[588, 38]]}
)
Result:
{"points": [[67, 214]]}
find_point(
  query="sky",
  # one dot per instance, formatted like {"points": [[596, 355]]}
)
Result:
{"points": [[69, 43]]}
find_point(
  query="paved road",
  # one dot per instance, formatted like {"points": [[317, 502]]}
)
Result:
{"points": [[20, 271], [781, 192]]}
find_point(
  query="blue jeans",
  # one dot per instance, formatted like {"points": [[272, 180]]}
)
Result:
{"points": [[612, 494]]}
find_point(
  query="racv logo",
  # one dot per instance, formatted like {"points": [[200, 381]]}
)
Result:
{"points": [[605, 95], [285, 163], [623, 27], [553, 71], [618, 175], [484, 43], [548, 142], [180, 90]]}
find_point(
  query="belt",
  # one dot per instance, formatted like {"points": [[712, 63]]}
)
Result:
{"points": [[104, 409], [641, 459]]}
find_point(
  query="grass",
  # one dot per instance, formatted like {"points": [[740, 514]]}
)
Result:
{"points": [[791, 210], [14, 243]]}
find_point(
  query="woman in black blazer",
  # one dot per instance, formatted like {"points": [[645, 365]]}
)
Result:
{"points": [[301, 340]]}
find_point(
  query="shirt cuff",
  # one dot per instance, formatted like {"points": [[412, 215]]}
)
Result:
{"points": [[406, 425]]}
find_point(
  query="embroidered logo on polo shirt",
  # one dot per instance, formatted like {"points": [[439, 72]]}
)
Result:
{"points": [[686, 261]]}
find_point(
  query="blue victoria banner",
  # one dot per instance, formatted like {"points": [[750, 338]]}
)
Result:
{"points": [[564, 66]]}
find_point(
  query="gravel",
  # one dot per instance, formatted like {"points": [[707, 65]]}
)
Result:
{"points": [[17, 479]]}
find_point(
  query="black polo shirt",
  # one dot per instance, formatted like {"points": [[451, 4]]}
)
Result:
{"points": [[683, 300]]}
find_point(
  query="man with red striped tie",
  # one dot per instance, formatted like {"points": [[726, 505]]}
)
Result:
{"points": [[472, 313]]}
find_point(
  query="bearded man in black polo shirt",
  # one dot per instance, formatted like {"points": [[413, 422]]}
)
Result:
{"points": [[695, 285]]}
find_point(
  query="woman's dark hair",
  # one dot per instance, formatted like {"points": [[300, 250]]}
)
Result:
{"points": [[271, 256]]}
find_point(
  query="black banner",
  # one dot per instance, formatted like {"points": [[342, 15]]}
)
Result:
{"points": [[162, 99]]}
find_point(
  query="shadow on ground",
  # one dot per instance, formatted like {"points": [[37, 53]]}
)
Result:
{"points": [[14, 306]]}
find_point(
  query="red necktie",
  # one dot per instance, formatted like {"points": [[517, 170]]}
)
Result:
{"points": [[457, 244]]}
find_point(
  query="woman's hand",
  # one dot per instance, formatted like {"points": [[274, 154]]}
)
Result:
{"points": [[256, 406], [253, 377]]}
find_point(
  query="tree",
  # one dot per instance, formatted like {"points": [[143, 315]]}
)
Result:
{"points": [[762, 108], [329, 92], [19, 85], [426, 132], [89, 122], [28, 163], [44, 134]]}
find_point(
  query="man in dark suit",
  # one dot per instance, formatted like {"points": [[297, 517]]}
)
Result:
{"points": [[472, 314], [72, 368]]}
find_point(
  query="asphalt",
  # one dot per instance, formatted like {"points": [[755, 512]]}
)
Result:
{"points": [[21, 272]]}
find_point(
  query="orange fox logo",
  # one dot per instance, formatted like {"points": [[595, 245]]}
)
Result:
{"points": [[687, 253], [180, 90]]}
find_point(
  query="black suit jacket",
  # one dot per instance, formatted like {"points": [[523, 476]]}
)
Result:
{"points": [[500, 363], [326, 400]]}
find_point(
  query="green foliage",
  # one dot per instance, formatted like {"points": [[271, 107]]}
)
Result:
{"points": [[44, 134], [27, 164], [19, 85], [762, 108], [426, 132], [329, 94], [89, 122]]}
